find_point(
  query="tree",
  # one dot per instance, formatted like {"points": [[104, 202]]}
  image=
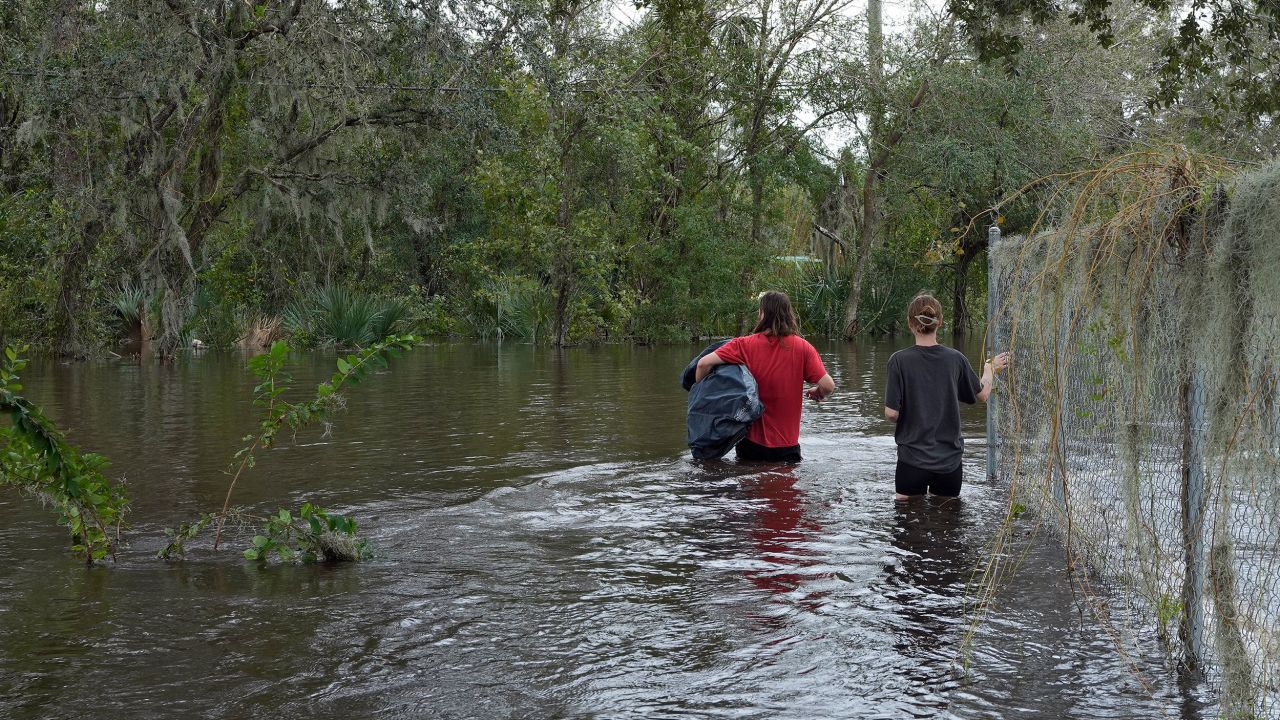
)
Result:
{"points": [[161, 124], [887, 125], [985, 141], [1230, 51], [774, 53]]}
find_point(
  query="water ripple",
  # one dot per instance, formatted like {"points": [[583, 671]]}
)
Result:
{"points": [[545, 549]]}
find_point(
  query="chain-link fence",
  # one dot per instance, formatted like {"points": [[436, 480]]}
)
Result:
{"points": [[1141, 416]]}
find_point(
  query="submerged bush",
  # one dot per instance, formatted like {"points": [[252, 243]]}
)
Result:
{"points": [[509, 306], [335, 316], [133, 305], [315, 534], [130, 303], [214, 320]]}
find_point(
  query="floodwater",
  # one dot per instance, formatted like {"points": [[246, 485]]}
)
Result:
{"points": [[545, 549]]}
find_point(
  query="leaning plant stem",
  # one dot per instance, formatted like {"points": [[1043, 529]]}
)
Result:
{"points": [[226, 503], [275, 422], [97, 520]]}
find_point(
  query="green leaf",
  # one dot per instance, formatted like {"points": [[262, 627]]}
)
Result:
{"points": [[251, 554], [261, 541], [284, 516], [9, 353], [343, 366]]}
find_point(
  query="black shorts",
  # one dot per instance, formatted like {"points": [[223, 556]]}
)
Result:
{"points": [[911, 480], [755, 452]]}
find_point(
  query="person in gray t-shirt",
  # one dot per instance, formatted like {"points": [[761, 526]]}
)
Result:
{"points": [[926, 384]]}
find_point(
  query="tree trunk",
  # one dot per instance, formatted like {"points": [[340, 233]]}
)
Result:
{"points": [[959, 296], [877, 152], [9, 158], [562, 313], [868, 240], [68, 340], [757, 204], [757, 230], [71, 183], [563, 262]]}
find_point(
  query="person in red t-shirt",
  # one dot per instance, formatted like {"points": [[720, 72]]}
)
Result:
{"points": [[781, 362]]}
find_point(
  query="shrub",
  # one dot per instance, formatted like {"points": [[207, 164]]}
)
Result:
{"points": [[334, 316]]}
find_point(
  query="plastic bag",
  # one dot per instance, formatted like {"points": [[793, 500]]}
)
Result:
{"points": [[721, 407]]}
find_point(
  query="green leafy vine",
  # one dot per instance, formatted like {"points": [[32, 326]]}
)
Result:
{"points": [[35, 457], [314, 533]]}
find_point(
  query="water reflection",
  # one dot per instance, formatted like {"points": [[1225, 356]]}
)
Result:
{"points": [[926, 586], [779, 532], [546, 549]]}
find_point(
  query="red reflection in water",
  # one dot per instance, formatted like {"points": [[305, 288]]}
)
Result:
{"points": [[779, 532]]}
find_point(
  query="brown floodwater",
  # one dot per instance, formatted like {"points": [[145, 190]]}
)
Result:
{"points": [[546, 548]]}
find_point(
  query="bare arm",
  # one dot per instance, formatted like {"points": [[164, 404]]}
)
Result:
{"points": [[989, 368], [707, 362], [824, 387], [890, 414]]}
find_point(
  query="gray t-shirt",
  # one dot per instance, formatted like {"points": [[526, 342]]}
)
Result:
{"points": [[926, 386]]}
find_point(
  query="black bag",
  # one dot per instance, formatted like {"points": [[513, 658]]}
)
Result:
{"points": [[721, 407]]}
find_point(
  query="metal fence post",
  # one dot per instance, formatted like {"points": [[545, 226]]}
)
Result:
{"points": [[993, 291], [1193, 518], [1063, 359]]}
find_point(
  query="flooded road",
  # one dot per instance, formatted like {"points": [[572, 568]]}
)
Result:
{"points": [[545, 549]]}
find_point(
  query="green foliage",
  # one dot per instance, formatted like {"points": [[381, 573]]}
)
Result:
{"points": [[274, 382], [819, 292], [547, 174], [334, 316], [36, 458], [314, 534], [430, 315], [179, 536], [1230, 45], [131, 303], [215, 320], [28, 275], [510, 306], [1168, 613], [279, 413]]}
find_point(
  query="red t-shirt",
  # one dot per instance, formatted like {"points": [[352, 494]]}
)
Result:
{"points": [[781, 367]]}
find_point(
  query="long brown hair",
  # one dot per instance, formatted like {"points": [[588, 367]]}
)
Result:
{"points": [[924, 313], [778, 318]]}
